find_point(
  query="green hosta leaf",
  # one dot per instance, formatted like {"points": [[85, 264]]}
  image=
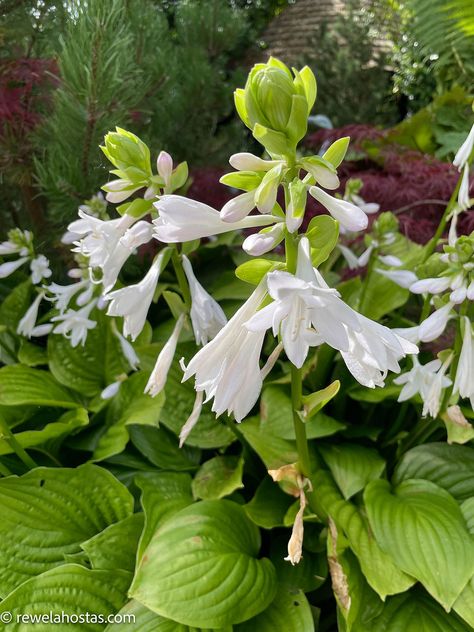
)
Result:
{"points": [[209, 432], [200, 567], [276, 143], [308, 575], [32, 355], [352, 466], [146, 620], [244, 180], [23, 385], [269, 505], [254, 270], [322, 233], [71, 589], [90, 368], [218, 477], [421, 526], [336, 152], [464, 604], [52, 433], [14, 307], [375, 395], [288, 612], [116, 546], [416, 612], [163, 495], [467, 509], [378, 568], [136, 208], [450, 467], [272, 449], [313, 403], [54, 510], [130, 406], [459, 431], [160, 447]]}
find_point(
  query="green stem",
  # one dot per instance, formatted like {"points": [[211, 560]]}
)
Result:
{"points": [[430, 247], [181, 277], [304, 464], [291, 249], [15, 445]]}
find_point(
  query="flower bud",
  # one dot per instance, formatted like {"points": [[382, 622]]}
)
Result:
{"points": [[164, 165], [128, 154]]}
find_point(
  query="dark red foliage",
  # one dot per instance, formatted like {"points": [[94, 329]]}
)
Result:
{"points": [[205, 186]]}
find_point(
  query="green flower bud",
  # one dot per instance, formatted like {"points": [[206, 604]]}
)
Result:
{"points": [[129, 154]]}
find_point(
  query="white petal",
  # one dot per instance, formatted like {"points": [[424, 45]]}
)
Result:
{"points": [[403, 278], [11, 266], [434, 325], [238, 207], [430, 286], [349, 215]]}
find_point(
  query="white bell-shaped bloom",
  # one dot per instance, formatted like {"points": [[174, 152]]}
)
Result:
{"points": [[412, 334], [464, 380], [119, 190], [433, 326], [159, 375], [227, 368], [75, 324], [9, 248], [98, 238], [369, 208], [350, 216], [267, 239], [139, 234], [63, 294], [434, 285], [207, 316], [463, 194], [426, 380], [391, 260], [27, 326], [403, 278], [245, 161], [111, 390], [127, 349], [39, 268], [238, 207], [182, 219], [11, 266], [133, 302], [462, 155]]}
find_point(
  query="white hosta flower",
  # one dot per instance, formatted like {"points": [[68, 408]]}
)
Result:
{"points": [[133, 302], [139, 234], [39, 268], [9, 248], [464, 152], [264, 241], [159, 375], [182, 219], [267, 191], [464, 380], [245, 161], [227, 368], [391, 260], [431, 286], [63, 294], [111, 390], [470, 291], [433, 326], [238, 207], [97, 238], [127, 349], [192, 419], [295, 543], [27, 326], [347, 214], [427, 380], [412, 334], [403, 278], [305, 312], [75, 324], [164, 166], [369, 208], [207, 316], [463, 195], [11, 266], [352, 260], [119, 190]]}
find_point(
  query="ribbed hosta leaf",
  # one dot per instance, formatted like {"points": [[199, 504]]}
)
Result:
{"points": [[71, 589], [269, 505], [146, 620], [218, 477], [422, 528], [23, 385], [464, 604], [352, 466], [288, 612], [116, 546], [201, 567], [449, 466], [54, 510]]}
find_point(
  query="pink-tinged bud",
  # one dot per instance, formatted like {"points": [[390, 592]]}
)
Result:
{"points": [[164, 165]]}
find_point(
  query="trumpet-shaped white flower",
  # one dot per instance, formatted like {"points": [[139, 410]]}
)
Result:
{"points": [[111, 390], [63, 294], [75, 324], [97, 238], [182, 219], [39, 268], [403, 278], [9, 248], [350, 216], [464, 380], [245, 161], [119, 190], [462, 155], [27, 326], [265, 240], [304, 311], [133, 302], [192, 419], [159, 375], [227, 368], [434, 285], [463, 194], [433, 326], [207, 315], [127, 349], [427, 380], [11, 266], [238, 207], [369, 208], [139, 234]]}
